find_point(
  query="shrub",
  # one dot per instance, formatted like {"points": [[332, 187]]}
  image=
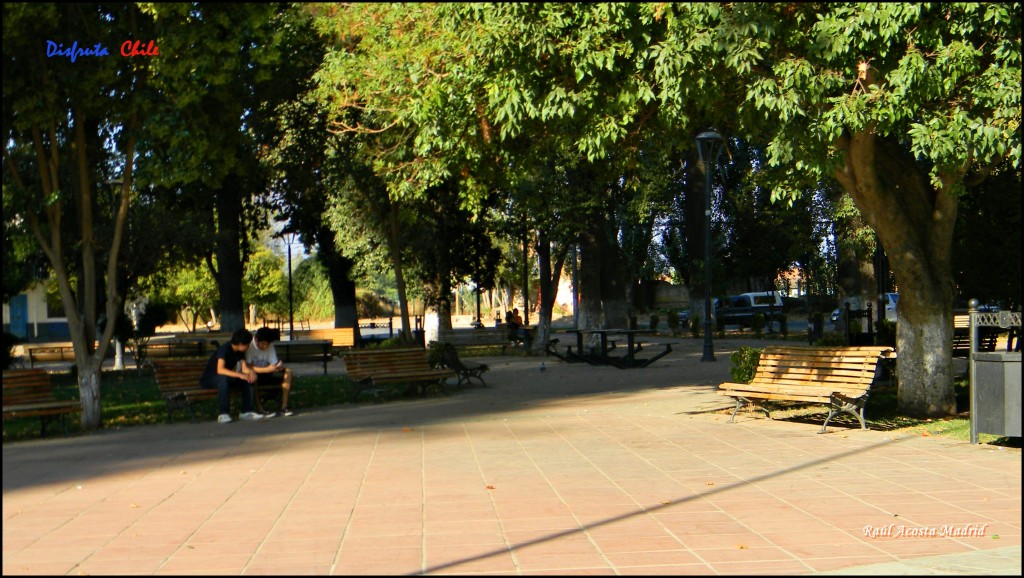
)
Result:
{"points": [[832, 339], [10, 340], [672, 321], [743, 364], [390, 343], [885, 332]]}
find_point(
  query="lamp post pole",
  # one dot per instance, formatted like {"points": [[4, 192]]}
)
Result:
{"points": [[289, 238], [709, 148]]}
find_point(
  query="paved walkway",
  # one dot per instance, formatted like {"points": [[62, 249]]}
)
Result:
{"points": [[571, 470]]}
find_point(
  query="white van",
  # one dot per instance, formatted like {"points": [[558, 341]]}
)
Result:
{"points": [[765, 299]]}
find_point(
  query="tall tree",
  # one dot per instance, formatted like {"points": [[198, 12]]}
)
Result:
{"points": [[311, 164], [903, 104], [218, 117], [71, 122]]}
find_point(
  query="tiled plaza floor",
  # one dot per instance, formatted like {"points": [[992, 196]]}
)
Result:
{"points": [[571, 470]]}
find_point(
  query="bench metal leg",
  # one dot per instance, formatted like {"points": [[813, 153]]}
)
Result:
{"points": [[740, 401], [739, 404], [854, 407]]}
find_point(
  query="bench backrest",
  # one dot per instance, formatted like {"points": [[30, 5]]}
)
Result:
{"points": [[384, 362], [197, 347], [339, 336], [847, 370], [177, 375], [987, 336], [299, 348], [22, 386], [473, 335]]}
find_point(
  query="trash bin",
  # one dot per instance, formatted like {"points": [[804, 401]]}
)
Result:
{"points": [[420, 337], [995, 394]]}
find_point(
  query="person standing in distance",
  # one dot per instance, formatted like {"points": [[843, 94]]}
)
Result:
{"points": [[220, 374], [269, 370]]}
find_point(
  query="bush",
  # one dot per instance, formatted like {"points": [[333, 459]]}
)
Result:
{"points": [[885, 333], [654, 322], [743, 364], [833, 339], [390, 343], [672, 321], [10, 340]]}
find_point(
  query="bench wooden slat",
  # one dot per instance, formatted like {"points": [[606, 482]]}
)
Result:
{"points": [[838, 376], [29, 393]]}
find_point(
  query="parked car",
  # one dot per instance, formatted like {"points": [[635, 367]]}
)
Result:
{"points": [[890, 306], [684, 314], [741, 309]]}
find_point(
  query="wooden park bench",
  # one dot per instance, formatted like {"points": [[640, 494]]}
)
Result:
{"points": [[29, 393], [299, 351], [837, 376], [987, 337], [369, 369], [178, 382], [476, 337], [466, 371], [341, 337], [53, 351], [174, 348]]}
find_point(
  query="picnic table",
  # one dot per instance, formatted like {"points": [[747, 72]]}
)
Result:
{"points": [[601, 355]]}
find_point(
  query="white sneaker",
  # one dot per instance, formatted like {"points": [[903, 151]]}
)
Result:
{"points": [[251, 416], [224, 418]]}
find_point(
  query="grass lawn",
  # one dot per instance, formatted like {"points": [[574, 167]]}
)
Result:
{"points": [[131, 398]]}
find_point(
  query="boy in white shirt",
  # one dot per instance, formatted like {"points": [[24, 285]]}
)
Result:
{"points": [[262, 360]]}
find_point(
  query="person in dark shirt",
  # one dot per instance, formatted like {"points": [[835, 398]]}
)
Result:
{"points": [[221, 374]]}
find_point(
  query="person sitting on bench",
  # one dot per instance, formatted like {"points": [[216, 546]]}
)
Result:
{"points": [[220, 374], [268, 369]]}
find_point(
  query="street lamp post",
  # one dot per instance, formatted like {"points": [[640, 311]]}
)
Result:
{"points": [[290, 238], [709, 148]]}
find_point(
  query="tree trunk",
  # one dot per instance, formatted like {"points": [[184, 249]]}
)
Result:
{"points": [[394, 249], [550, 272], [693, 237], [89, 393], [229, 258], [590, 313], [444, 303], [343, 288], [914, 222], [922, 363], [615, 280], [855, 273]]}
